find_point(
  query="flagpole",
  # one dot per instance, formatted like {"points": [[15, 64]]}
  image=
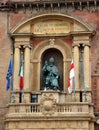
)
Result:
{"points": [[71, 81], [74, 80], [22, 96], [12, 96], [74, 90], [84, 78], [22, 92], [12, 80]]}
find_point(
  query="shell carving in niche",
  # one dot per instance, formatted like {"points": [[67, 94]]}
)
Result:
{"points": [[48, 104]]}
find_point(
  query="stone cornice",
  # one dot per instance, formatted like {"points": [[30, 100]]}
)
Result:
{"points": [[14, 5], [31, 35], [21, 35], [65, 117]]}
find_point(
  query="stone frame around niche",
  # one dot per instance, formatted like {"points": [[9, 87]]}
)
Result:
{"points": [[36, 57]]}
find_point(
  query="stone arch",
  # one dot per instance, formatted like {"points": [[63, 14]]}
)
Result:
{"points": [[60, 45]]}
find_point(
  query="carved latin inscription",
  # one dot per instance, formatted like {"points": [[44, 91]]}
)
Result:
{"points": [[51, 27]]}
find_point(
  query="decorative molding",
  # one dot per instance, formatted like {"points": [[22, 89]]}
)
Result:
{"points": [[22, 43], [51, 42], [36, 4]]}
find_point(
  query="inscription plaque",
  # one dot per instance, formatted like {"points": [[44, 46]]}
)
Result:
{"points": [[51, 27]]}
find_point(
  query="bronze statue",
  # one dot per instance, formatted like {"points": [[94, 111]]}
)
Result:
{"points": [[51, 75]]}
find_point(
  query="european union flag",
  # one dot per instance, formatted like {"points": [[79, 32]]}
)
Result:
{"points": [[9, 74]]}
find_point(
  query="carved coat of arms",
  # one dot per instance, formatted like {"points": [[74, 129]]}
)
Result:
{"points": [[48, 104]]}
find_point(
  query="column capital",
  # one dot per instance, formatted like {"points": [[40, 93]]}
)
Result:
{"points": [[17, 46], [27, 46], [86, 44], [76, 44]]}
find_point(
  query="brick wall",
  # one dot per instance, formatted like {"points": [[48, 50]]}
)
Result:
{"points": [[5, 48]]}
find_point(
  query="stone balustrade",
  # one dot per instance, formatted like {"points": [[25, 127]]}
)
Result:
{"points": [[67, 108]]}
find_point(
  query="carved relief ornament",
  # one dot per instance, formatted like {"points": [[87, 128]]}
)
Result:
{"points": [[48, 104]]}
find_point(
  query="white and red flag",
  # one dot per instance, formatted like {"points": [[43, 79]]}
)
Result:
{"points": [[21, 76], [71, 76]]}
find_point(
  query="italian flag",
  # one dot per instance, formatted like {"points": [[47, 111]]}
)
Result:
{"points": [[21, 76], [71, 76]]}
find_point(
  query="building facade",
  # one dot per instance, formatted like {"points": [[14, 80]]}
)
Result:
{"points": [[33, 31]]}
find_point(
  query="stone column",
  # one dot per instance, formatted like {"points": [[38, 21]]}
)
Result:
{"points": [[76, 65], [76, 69], [26, 67], [27, 71], [87, 65], [16, 71], [87, 73]]}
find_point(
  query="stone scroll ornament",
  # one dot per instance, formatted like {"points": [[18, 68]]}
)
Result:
{"points": [[48, 104]]}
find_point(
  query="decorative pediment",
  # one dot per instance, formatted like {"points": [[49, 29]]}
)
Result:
{"points": [[52, 24]]}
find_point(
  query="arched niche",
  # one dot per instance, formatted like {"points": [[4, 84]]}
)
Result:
{"points": [[43, 51], [58, 57]]}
